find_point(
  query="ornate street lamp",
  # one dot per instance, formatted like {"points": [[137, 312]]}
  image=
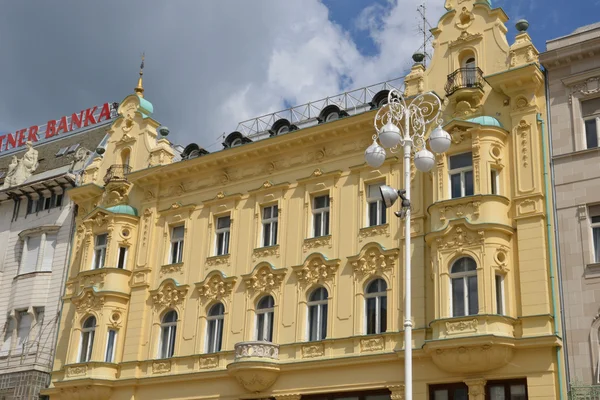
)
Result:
{"points": [[399, 124]]}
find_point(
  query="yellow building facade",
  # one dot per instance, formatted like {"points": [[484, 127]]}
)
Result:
{"points": [[272, 270]]}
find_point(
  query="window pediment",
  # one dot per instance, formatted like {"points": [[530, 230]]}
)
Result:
{"points": [[89, 299], [168, 294], [373, 260], [316, 269], [39, 230], [264, 278], [216, 286]]}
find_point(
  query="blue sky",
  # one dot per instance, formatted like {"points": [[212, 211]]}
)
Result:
{"points": [[207, 69]]}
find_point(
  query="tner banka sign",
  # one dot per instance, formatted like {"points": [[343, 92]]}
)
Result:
{"points": [[65, 124]]}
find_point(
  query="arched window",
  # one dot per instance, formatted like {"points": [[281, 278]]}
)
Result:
{"points": [[376, 306], [264, 319], [463, 278], [125, 155], [470, 68], [168, 329], [317, 314], [214, 335], [87, 339]]}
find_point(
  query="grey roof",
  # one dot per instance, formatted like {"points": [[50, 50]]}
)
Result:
{"points": [[586, 28], [88, 138]]}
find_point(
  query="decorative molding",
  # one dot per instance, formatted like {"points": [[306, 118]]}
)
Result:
{"points": [[316, 269], [476, 388], [313, 350], [377, 230], [216, 286], [313, 243], [88, 300], [264, 278], [582, 212], [588, 87], [93, 280], [523, 130], [459, 237], [373, 259], [465, 37], [161, 367], [78, 370], [396, 392], [168, 294], [20, 170], [461, 209], [264, 252], [371, 344], [459, 327], [215, 262], [209, 362], [171, 269], [464, 19], [527, 206]]}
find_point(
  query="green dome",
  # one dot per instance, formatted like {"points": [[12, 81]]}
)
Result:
{"points": [[123, 209], [486, 120], [146, 107]]}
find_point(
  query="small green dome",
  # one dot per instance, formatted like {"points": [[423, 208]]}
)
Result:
{"points": [[123, 209], [486, 120], [146, 107]]}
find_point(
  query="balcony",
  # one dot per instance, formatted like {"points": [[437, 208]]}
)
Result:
{"points": [[464, 78], [255, 365], [117, 172]]}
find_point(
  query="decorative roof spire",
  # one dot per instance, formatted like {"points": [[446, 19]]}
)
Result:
{"points": [[140, 87]]}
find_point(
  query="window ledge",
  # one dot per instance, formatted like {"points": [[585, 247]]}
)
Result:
{"points": [[320, 241], [375, 230], [592, 271], [29, 274], [104, 270], [171, 268], [267, 251], [215, 261]]}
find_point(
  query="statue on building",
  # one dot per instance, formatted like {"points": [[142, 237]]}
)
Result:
{"points": [[81, 157], [20, 170]]}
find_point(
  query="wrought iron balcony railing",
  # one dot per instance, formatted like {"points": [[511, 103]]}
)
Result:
{"points": [[117, 172], [464, 78]]}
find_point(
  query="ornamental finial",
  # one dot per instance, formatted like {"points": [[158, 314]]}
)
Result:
{"points": [[140, 87]]}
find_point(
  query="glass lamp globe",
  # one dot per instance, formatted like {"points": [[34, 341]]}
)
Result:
{"points": [[424, 160], [375, 155], [389, 135], [439, 140]]}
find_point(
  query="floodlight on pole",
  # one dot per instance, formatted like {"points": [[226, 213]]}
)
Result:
{"points": [[400, 124]]}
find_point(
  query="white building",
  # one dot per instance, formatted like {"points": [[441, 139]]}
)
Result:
{"points": [[36, 221]]}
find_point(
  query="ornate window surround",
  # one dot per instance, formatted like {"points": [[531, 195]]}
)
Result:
{"points": [[578, 88], [176, 215], [219, 206], [269, 194]]}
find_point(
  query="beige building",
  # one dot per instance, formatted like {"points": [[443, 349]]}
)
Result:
{"points": [[573, 65], [271, 269]]}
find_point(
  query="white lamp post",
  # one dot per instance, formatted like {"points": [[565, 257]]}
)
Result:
{"points": [[399, 124]]}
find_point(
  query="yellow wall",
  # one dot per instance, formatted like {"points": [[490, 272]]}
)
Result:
{"points": [[505, 234]]}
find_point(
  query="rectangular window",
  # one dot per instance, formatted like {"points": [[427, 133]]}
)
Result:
{"points": [[590, 111], [461, 175], [122, 261], [494, 182], [23, 330], [223, 227], [31, 253], [449, 391], [100, 251], [500, 294], [594, 212], [320, 216], [59, 199], [177, 244], [47, 203], [506, 390], [111, 340], [49, 248], [269, 224], [375, 208]]}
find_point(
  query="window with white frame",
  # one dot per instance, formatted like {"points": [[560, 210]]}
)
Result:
{"points": [[87, 340], [111, 340], [38, 252], [463, 280], [376, 214], [594, 215], [499, 294], [7, 340], [269, 225], [168, 329], [317, 314], [122, 257], [265, 311], [100, 251], [590, 111], [376, 307], [214, 330], [320, 211], [494, 181], [222, 233], [177, 233], [461, 175], [23, 330]]}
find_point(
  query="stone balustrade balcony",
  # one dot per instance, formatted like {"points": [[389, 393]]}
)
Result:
{"points": [[255, 365]]}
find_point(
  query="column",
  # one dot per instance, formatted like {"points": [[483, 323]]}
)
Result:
{"points": [[397, 392], [476, 388]]}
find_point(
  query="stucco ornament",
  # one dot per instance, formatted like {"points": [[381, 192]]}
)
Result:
{"points": [[264, 279], [460, 237], [20, 170], [88, 300], [169, 294], [373, 260], [215, 286], [465, 19], [316, 269]]}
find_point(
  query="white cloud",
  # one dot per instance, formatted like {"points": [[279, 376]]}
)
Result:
{"points": [[209, 64]]}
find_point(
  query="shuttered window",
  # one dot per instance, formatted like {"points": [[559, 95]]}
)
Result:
{"points": [[31, 253]]}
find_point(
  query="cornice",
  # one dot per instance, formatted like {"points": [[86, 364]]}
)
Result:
{"points": [[581, 77], [268, 186], [570, 54], [319, 174], [221, 197]]}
